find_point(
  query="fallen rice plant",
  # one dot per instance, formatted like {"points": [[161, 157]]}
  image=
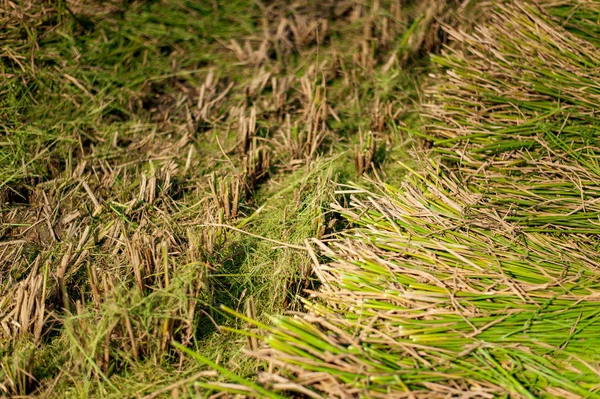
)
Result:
{"points": [[479, 276]]}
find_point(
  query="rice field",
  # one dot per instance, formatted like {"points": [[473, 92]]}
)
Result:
{"points": [[289, 199]]}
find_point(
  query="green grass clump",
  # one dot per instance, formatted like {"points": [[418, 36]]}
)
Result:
{"points": [[479, 275]]}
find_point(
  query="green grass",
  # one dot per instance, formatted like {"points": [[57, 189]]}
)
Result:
{"points": [[114, 118]]}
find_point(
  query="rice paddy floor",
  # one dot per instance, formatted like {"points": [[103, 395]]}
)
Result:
{"points": [[174, 173]]}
